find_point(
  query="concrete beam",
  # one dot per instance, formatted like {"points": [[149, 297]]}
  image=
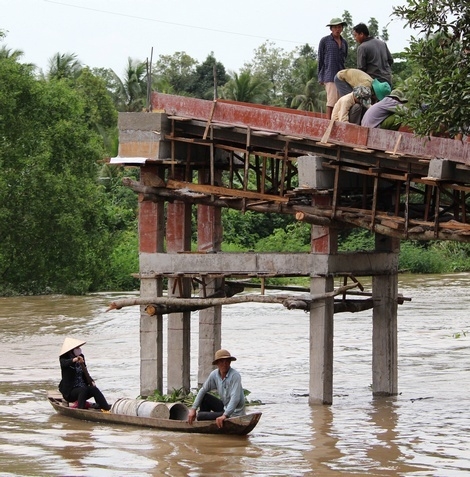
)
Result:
{"points": [[294, 264]]}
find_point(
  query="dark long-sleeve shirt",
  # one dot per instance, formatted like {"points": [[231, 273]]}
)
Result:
{"points": [[331, 58]]}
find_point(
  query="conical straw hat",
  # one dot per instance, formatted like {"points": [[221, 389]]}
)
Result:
{"points": [[70, 344]]}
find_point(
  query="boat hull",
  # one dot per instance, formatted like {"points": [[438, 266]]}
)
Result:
{"points": [[241, 425]]}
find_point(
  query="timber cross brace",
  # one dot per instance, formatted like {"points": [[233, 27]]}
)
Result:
{"points": [[215, 154]]}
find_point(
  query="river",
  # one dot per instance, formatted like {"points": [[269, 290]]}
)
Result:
{"points": [[424, 431]]}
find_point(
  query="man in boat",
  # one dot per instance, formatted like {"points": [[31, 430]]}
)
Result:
{"points": [[77, 385], [228, 383]]}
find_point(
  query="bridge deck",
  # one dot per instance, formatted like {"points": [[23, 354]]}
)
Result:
{"points": [[390, 182]]}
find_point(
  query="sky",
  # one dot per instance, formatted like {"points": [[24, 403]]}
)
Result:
{"points": [[105, 33]]}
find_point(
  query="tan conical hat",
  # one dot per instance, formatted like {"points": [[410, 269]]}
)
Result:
{"points": [[70, 344]]}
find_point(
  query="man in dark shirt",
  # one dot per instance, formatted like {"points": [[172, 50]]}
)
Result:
{"points": [[373, 55], [332, 53]]}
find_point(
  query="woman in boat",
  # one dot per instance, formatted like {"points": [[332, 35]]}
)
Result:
{"points": [[228, 383], [77, 385]]}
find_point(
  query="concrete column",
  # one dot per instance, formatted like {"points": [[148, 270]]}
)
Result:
{"points": [[151, 240], [324, 241], [178, 238], [209, 237], [384, 326]]}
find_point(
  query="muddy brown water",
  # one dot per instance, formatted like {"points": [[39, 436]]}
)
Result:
{"points": [[424, 431]]}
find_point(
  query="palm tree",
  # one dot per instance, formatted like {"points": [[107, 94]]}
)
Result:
{"points": [[9, 53], [132, 90], [247, 88], [64, 66], [306, 81], [310, 99]]}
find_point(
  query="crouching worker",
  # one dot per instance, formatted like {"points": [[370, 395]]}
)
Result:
{"points": [[77, 385], [228, 384]]}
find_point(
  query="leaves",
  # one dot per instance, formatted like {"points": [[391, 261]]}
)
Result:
{"points": [[440, 66]]}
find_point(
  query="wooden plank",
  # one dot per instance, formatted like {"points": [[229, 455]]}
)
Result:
{"points": [[326, 136], [216, 190], [206, 131]]}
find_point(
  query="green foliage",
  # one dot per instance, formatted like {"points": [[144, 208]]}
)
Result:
{"points": [[293, 238], [123, 262], [187, 398], [247, 88], [176, 70], [356, 240], [273, 66], [203, 78], [57, 238], [304, 92], [246, 229], [438, 93], [64, 66]]}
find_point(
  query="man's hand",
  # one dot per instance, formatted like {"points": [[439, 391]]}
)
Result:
{"points": [[191, 415], [220, 420]]}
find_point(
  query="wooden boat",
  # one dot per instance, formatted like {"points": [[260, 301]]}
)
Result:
{"points": [[240, 425]]}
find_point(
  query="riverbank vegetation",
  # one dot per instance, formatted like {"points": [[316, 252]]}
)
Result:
{"points": [[68, 225]]}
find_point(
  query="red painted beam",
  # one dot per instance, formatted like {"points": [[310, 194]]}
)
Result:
{"points": [[284, 121], [310, 126]]}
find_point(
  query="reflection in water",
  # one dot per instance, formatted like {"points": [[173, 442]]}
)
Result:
{"points": [[325, 449], [422, 432]]}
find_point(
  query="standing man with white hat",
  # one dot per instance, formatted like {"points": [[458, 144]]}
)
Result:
{"points": [[228, 383], [77, 385], [332, 54]]}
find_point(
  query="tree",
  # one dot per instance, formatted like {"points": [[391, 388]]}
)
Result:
{"points": [[176, 70], [56, 235], [272, 64], [438, 90], [308, 94], [203, 78], [9, 53], [64, 65], [99, 110], [246, 87], [132, 89]]}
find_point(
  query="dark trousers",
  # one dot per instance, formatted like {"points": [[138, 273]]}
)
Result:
{"points": [[355, 113], [82, 394], [211, 408]]}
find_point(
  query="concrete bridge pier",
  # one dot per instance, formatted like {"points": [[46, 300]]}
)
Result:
{"points": [[384, 293], [324, 240], [151, 240], [178, 239], [384, 325]]}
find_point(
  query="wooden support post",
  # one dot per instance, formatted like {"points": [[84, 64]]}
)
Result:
{"points": [[375, 197], [247, 159], [436, 211], [407, 203], [463, 206]]}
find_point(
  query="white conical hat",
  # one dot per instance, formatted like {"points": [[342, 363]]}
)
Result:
{"points": [[70, 344]]}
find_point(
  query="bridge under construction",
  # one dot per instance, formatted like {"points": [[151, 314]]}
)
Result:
{"points": [[334, 176]]}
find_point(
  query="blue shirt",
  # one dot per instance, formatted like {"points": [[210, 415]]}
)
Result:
{"points": [[331, 58], [229, 389]]}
